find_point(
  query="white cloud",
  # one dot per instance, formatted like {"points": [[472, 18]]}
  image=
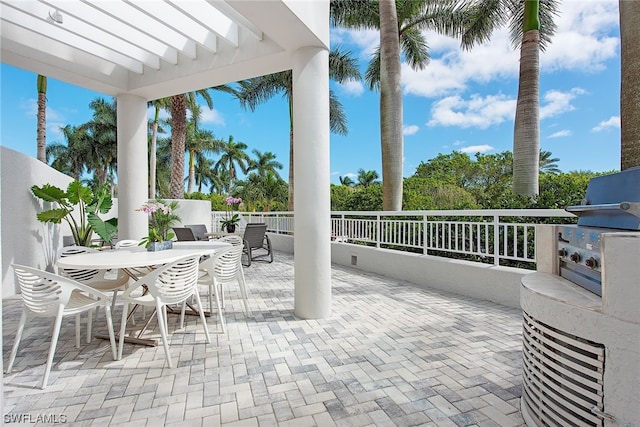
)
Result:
{"points": [[561, 134], [211, 116], [612, 122], [410, 130], [30, 106], [366, 40], [582, 41], [476, 149], [352, 87], [54, 129], [478, 111], [557, 102], [350, 175]]}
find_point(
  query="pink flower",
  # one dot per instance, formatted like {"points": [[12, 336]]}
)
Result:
{"points": [[233, 200]]}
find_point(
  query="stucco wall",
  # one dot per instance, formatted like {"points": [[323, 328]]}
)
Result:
{"points": [[482, 281], [25, 240]]}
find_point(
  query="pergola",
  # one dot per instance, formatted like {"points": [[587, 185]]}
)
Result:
{"points": [[142, 50]]}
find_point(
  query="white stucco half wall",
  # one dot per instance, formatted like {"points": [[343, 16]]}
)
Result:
{"points": [[482, 281], [25, 240]]}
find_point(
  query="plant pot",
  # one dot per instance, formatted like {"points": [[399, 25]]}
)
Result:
{"points": [[231, 228], [160, 246]]}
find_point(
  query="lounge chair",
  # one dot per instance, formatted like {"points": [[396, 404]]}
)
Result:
{"points": [[199, 230], [256, 239], [184, 234]]}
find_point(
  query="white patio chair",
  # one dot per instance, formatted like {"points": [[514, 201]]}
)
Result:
{"points": [[224, 267], [102, 280], [172, 283], [49, 295]]}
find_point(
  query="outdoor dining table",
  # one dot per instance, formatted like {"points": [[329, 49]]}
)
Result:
{"points": [[133, 259]]}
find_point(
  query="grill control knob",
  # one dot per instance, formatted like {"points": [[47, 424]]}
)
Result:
{"points": [[562, 252], [591, 262], [575, 257]]}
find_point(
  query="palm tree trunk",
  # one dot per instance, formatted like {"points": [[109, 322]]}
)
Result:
{"points": [[152, 154], [526, 135], [630, 84], [390, 107], [178, 136], [192, 173], [42, 118]]}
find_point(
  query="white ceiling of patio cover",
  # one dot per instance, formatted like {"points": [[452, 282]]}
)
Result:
{"points": [[156, 48]]}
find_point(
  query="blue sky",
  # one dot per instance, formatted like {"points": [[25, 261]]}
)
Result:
{"points": [[463, 101]]}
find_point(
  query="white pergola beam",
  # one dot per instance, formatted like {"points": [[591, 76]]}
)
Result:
{"points": [[82, 62], [211, 18], [224, 7], [117, 28], [53, 32], [165, 13], [160, 31]]}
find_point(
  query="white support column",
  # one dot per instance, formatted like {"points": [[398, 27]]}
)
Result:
{"points": [[133, 166], [312, 229]]}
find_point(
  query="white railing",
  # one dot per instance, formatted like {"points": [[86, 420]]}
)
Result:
{"points": [[489, 236]]}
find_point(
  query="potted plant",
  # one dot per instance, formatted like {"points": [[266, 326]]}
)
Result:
{"points": [[230, 221], [85, 204], [161, 219]]}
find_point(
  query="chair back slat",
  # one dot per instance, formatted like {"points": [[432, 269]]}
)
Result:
{"points": [[83, 275], [127, 243], [40, 296], [226, 265], [176, 283]]}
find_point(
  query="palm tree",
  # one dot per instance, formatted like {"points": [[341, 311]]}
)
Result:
{"points": [[158, 105], [531, 25], [163, 168], [70, 158], [178, 136], [548, 164], [42, 118], [262, 191], [526, 133], [390, 107], [264, 162], [630, 84], [204, 174], [367, 178], [198, 143], [407, 21], [102, 132], [258, 90], [233, 157], [347, 181]]}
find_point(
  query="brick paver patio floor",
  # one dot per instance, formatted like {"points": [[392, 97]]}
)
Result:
{"points": [[390, 354]]}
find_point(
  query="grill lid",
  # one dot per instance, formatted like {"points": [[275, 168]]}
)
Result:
{"points": [[612, 201]]}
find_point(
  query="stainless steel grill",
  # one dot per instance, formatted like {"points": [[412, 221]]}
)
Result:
{"points": [[612, 202]]}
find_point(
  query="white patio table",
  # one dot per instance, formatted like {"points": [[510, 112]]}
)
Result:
{"points": [[132, 259]]}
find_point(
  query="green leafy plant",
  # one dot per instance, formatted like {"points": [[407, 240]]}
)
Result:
{"points": [[80, 200], [161, 220]]}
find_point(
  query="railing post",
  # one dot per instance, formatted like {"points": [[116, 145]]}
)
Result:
{"points": [[425, 235], [378, 228], [496, 240]]}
